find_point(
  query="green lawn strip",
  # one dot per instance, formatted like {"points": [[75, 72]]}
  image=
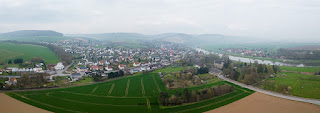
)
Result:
{"points": [[103, 89], [135, 89], [111, 101], [81, 106], [149, 86], [120, 87]]}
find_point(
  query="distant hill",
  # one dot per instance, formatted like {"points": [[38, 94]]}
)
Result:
{"points": [[113, 36], [170, 37], [33, 36], [31, 33]]}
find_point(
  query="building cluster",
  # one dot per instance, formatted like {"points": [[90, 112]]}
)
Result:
{"points": [[255, 52], [103, 58]]}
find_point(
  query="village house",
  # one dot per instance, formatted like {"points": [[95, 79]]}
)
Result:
{"points": [[59, 66], [108, 68], [82, 69], [11, 81], [121, 66], [100, 62], [135, 64], [0, 71], [75, 77]]}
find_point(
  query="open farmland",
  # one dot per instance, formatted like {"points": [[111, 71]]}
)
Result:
{"points": [[300, 69], [10, 51], [137, 93], [302, 85]]}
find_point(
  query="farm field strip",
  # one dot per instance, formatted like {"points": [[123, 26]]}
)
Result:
{"points": [[110, 91], [94, 89], [209, 104], [76, 101], [142, 86], [155, 82], [135, 88], [128, 85], [98, 95], [48, 105]]}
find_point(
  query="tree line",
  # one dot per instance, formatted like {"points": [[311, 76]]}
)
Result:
{"points": [[187, 96], [248, 73]]}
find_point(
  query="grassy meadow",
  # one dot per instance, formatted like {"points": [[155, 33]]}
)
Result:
{"points": [[37, 38], [10, 51], [135, 94], [300, 69], [302, 85]]}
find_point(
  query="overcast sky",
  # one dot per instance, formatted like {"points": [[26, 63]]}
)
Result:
{"points": [[254, 18]]}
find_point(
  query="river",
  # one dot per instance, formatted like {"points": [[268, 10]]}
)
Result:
{"points": [[248, 60]]}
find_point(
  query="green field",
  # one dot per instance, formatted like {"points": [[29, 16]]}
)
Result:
{"points": [[300, 69], [137, 93], [37, 38], [307, 86], [10, 51]]}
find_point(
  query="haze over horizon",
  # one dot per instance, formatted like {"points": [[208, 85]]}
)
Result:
{"points": [[264, 19]]}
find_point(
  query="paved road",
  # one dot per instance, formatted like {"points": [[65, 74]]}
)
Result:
{"points": [[307, 100], [4, 76]]}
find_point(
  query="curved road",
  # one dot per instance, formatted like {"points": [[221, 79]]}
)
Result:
{"points": [[307, 100]]}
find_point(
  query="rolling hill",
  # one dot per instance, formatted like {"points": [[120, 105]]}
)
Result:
{"points": [[33, 36]]}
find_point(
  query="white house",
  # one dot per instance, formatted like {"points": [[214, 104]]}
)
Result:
{"points": [[121, 66], [109, 68], [135, 64], [59, 66]]}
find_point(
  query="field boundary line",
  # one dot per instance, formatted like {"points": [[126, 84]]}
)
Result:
{"points": [[47, 104], [127, 89], [77, 101], [110, 91], [142, 85], [296, 83], [98, 95], [148, 104], [209, 104], [154, 79], [94, 89]]}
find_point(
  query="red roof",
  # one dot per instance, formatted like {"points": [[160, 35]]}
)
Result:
{"points": [[136, 62], [12, 79], [121, 65], [94, 67]]}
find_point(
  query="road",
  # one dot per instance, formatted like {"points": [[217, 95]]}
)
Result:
{"points": [[3, 76], [307, 100]]}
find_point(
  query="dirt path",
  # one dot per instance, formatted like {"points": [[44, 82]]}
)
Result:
{"points": [[262, 103], [11, 105]]}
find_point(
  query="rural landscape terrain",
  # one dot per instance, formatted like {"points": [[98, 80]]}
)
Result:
{"points": [[142, 76], [159, 56]]}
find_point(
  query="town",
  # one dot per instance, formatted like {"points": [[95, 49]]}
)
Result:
{"points": [[104, 60]]}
